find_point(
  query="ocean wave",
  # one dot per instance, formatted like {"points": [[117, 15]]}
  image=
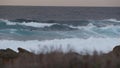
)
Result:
{"points": [[90, 44], [37, 30], [33, 25], [100, 35], [84, 33], [37, 24], [112, 20]]}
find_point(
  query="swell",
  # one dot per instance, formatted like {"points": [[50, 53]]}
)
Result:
{"points": [[100, 35], [22, 23], [31, 30]]}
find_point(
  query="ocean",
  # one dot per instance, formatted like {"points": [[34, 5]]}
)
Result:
{"points": [[80, 28]]}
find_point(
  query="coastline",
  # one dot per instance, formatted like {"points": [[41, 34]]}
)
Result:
{"points": [[57, 58]]}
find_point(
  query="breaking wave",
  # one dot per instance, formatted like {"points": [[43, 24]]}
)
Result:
{"points": [[91, 44], [42, 31], [100, 35]]}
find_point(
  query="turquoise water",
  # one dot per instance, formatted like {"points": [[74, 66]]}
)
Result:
{"points": [[43, 31]]}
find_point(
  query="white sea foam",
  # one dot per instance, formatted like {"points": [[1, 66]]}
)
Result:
{"points": [[32, 24], [91, 44], [89, 26], [112, 20], [8, 22]]}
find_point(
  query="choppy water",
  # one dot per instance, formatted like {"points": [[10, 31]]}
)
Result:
{"points": [[81, 28], [100, 35]]}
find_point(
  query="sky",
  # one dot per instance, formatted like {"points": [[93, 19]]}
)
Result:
{"points": [[61, 2]]}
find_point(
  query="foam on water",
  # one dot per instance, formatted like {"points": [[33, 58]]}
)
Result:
{"points": [[32, 24], [90, 37], [112, 20], [91, 44]]}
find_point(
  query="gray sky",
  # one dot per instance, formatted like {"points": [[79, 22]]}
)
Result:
{"points": [[62, 2]]}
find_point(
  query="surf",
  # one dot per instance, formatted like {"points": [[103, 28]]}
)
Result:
{"points": [[79, 45], [100, 35]]}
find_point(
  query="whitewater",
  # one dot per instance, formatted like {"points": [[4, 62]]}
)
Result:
{"points": [[99, 35]]}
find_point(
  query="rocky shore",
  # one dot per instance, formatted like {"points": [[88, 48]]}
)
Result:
{"points": [[57, 59]]}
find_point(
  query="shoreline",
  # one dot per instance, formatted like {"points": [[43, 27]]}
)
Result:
{"points": [[71, 59]]}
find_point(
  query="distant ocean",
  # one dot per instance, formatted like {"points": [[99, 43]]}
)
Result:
{"points": [[80, 28]]}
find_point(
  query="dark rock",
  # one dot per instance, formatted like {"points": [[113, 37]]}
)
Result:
{"points": [[23, 52], [6, 56], [116, 51], [7, 53]]}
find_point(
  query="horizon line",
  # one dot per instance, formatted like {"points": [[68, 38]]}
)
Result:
{"points": [[53, 6]]}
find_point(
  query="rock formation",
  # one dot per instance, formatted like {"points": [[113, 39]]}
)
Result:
{"points": [[23, 52], [7, 56], [116, 51]]}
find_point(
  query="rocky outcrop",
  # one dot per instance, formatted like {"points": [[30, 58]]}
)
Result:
{"points": [[116, 51], [24, 52], [8, 55], [24, 56], [21, 50]]}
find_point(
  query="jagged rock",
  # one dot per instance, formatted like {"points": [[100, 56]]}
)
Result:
{"points": [[23, 52], [9, 56], [116, 51], [8, 53]]}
